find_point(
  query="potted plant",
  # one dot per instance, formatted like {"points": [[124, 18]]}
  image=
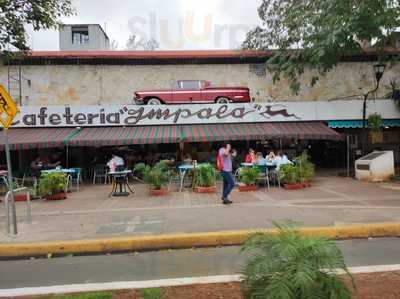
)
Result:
{"points": [[205, 179], [306, 170], [290, 176], [157, 177], [248, 177], [52, 186], [375, 123]]}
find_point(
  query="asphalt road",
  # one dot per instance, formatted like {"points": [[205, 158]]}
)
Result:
{"points": [[166, 264]]}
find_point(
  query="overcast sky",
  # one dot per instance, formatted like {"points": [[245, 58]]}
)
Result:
{"points": [[175, 24]]}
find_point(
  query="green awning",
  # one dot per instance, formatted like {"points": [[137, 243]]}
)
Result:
{"points": [[355, 124]]}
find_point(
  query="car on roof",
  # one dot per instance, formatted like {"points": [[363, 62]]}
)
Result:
{"points": [[193, 92]]}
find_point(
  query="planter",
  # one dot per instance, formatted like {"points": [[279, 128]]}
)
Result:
{"points": [[376, 137], [211, 189], [56, 196], [247, 188], [293, 186], [158, 192], [20, 197]]}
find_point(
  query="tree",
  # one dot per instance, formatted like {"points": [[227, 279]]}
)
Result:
{"points": [[318, 33], [41, 14], [136, 43]]}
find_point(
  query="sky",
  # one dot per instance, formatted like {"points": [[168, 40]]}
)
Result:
{"points": [[175, 24]]}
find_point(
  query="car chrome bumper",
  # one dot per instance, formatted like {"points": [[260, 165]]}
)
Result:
{"points": [[138, 101]]}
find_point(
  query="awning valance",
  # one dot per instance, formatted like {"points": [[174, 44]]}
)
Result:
{"points": [[20, 139], [108, 136], [356, 124], [125, 135]]}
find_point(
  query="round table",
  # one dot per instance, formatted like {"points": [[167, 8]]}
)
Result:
{"points": [[120, 179]]}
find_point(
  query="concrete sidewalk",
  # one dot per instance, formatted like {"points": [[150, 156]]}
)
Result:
{"points": [[90, 214]]}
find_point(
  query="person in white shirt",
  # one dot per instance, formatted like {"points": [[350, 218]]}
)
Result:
{"points": [[115, 162]]}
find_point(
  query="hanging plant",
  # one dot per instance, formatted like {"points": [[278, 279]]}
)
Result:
{"points": [[375, 122]]}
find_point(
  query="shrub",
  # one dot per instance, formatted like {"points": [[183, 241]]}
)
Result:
{"points": [[249, 175], [375, 122], [289, 173], [205, 175], [292, 266], [156, 176], [139, 169], [52, 183], [155, 293], [306, 168]]}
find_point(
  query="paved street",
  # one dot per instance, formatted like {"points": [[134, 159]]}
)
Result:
{"points": [[89, 213], [166, 264]]}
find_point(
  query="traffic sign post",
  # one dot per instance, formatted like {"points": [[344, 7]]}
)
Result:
{"points": [[8, 110]]}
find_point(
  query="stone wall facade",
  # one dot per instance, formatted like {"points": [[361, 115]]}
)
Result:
{"points": [[115, 84]]}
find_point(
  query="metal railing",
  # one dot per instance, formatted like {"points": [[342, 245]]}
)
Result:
{"points": [[10, 218]]}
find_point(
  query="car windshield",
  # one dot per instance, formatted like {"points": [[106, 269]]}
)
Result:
{"points": [[189, 84]]}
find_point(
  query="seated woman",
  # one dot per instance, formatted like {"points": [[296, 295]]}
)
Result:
{"points": [[250, 157], [271, 156]]}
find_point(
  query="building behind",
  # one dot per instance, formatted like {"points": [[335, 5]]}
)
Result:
{"points": [[83, 37]]}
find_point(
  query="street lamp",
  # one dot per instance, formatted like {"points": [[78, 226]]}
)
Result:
{"points": [[379, 69]]}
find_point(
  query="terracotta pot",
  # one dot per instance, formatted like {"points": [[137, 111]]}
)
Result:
{"points": [[211, 189], [56, 196], [247, 188], [158, 192], [20, 197], [293, 186]]}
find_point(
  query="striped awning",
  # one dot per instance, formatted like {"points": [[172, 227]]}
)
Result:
{"points": [[20, 139], [125, 135], [110, 136], [254, 131], [357, 124], [221, 132]]}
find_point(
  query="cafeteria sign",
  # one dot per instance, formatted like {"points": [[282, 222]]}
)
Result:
{"points": [[8, 109], [133, 115]]}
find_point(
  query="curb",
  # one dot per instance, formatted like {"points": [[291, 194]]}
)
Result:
{"points": [[161, 283], [189, 240]]}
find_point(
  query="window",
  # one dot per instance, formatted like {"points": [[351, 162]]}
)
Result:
{"points": [[80, 35], [190, 84]]}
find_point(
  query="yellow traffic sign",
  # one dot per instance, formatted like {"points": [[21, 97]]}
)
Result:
{"points": [[8, 109]]}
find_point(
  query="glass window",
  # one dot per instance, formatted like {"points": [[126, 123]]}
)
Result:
{"points": [[190, 84], [80, 35]]}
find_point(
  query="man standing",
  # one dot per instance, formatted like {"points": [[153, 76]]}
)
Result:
{"points": [[225, 155]]}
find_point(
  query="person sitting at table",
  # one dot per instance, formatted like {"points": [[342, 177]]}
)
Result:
{"points": [[115, 163], [260, 159], [270, 157], [250, 157], [43, 162], [187, 160]]}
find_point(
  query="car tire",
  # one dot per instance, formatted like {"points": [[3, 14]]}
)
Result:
{"points": [[154, 101], [222, 100]]}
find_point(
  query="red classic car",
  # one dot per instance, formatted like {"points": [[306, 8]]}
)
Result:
{"points": [[193, 91]]}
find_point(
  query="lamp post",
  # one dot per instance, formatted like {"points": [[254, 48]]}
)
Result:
{"points": [[379, 69]]}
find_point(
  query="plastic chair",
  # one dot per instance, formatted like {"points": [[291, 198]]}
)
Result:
{"points": [[76, 177], [264, 174], [100, 172]]}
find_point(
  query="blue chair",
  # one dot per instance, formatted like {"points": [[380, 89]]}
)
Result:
{"points": [[75, 176]]}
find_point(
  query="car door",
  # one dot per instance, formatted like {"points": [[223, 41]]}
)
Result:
{"points": [[188, 91]]}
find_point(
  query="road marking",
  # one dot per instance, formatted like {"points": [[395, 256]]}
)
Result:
{"points": [[120, 285]]}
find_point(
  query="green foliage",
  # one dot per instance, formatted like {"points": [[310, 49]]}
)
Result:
{"points": [[157, 176], [375, 122], [249, 175], [205, 175], [139, 169], [52, 183], [306, 168], [289, 265], [41, 14], [94, 295], [316, 34], [289, 173], [155, 293]]}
